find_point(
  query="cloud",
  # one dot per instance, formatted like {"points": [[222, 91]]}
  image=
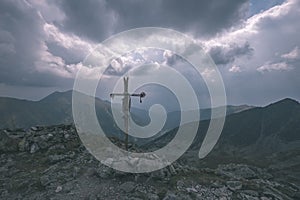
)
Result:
{"points": [[273, 67], [281, 66], [43, 43], [98, 19], [6, 43], [292, 55], [90, 19], [34, 52], [235, 69], [261, 35], [69, 47], [48, 10], [21, 32], [225, 54]]}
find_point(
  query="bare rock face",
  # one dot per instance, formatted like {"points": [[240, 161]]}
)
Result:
{"points": [[51, 163]]}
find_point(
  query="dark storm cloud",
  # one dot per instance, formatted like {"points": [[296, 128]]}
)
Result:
{"points": [[24, 44], [225, 55], [21, 41], [89, 18], [70, 57], [98, 19], [18, 23]]}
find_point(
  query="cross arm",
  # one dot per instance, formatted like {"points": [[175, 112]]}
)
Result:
{"points": [[141, 95]]}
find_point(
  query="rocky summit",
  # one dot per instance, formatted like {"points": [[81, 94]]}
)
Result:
{"points": [[51, 163]]}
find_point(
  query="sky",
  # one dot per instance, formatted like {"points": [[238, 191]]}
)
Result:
{"points": [[255, 44]]}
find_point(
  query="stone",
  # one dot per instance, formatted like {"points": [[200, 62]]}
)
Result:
{"points": [[191, 189], [56, 158], [75, 172], [237, 171], [249, 197], [250, 192], [90, 172], [34, 128], [180, 185], [234, 185], [272, 195], [23, 145], [170, 196], [7, 144], [265, 198], [105, 172], [151, 196], [58, 189], [128, 186], [45, 180], [172, 169], [66, 136], [34, 148]]}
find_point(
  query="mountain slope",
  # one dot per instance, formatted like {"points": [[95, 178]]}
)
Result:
{"points": [[53, 109], [278, 123], [268, 137], [274, 128], [56, 108]]}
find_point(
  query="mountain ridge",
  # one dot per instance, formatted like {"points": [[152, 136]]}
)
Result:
{"points": [[56, 108]]}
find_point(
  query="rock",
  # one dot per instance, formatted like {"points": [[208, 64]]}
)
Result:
{"points": [[249, 197], [104, 172], [58, 189], [128, 186], [3, 193], [158, 175], [236, 171], [250, 193], [34, 148], [216, 184], [66, 136], [34, 128], [170, 196], [234, 185], [297, 195], [23, 145], [8, 144], [180, 185], [265, 198], [56, 158], [272, 195], [57, 147], [191, 189], [45, 180], [42, 141], [172, 169], [150, 196], [90, 172], [75, 172]]}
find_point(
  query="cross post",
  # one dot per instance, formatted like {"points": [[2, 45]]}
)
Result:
{"points": [[126, 104]]}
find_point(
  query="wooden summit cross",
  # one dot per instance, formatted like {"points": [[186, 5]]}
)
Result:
{"points": [[126, 104]]}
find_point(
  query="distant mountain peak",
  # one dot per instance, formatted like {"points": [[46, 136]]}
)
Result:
{"points": [[285, 102], [289, 100]]}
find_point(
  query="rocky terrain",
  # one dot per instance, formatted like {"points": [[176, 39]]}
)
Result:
{"points": [[51, 163]]}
